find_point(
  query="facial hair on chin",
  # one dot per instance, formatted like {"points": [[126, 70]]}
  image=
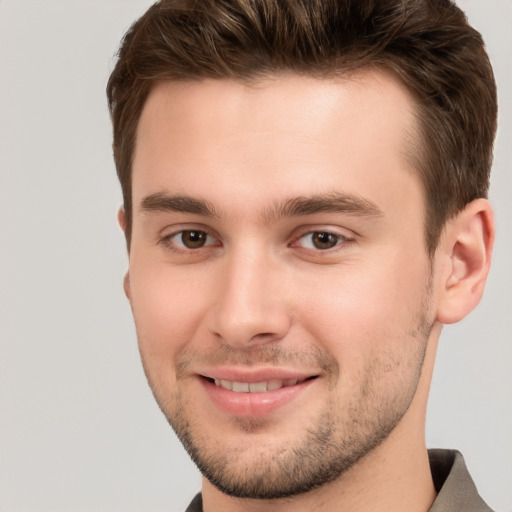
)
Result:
{"points": [[322, 455]]}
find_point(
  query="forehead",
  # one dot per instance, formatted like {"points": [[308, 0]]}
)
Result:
{"points": [[281, 101], [285, 133]]}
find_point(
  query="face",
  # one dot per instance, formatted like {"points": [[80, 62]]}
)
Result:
{"points": [[278, 275]]}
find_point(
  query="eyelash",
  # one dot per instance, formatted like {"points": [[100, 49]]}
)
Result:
{"points": [[339, 239], [174, 246], [178, 247]]}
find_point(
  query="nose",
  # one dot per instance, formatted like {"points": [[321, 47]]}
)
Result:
{"points": [[251, 306]]}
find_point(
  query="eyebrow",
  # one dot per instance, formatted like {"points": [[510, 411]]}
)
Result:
{"points": [[294, 207], [160, 202], [325, 203]]}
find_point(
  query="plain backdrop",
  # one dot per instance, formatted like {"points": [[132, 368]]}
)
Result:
{"points": [[79, 430]]}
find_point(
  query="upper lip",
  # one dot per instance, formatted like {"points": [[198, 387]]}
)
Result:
{"points": [[254, 375]]}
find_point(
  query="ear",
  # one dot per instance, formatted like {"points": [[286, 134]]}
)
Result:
{"points": [[465, 256], [121, 219], [126, 286]]}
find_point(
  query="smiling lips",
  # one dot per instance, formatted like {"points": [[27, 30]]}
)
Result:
{"points": [[257, 398], [256, 387]]}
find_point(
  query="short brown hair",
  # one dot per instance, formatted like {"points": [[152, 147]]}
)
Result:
{"points": [[427, 43]]}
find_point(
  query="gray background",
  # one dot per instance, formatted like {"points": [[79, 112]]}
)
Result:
{"points": [[79, 430]]}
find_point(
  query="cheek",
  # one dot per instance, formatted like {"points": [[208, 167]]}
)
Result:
{"points": [[167, 308], [365, 309]]}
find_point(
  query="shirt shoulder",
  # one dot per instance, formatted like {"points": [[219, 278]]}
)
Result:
{"points": [[196, 505], [454, 485]]}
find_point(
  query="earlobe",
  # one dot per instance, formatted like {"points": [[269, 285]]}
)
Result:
{"points": [[127, 286], [466, 250], [121, 218]]}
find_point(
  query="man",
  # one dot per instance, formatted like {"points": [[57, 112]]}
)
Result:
{"points": [[304, 193]]}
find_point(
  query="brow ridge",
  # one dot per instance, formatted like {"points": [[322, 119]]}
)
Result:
{"points": [[325, 203], [294, 207], [161, 202]]}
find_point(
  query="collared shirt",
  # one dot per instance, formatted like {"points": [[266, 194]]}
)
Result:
{"points": [[455, 489], [454, 486]]}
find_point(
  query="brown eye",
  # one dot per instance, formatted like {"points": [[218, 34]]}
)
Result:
{"points": [[193, 239], [188, 241], [321, 240]]}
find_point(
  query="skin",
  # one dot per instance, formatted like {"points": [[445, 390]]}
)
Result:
{"points": [[362, 317]]}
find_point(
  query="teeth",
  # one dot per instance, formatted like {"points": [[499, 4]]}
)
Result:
{"points": [[274, 384], [241, 387], [226, 384], [256, 387]]}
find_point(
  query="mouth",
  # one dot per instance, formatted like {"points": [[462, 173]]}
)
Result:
{"points": [[244, 395], [257, 387]]}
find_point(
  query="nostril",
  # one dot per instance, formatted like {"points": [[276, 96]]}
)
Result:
{"points": [[264, 335]]}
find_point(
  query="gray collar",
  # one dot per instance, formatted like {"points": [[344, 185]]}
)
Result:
{"points": [[455, 488]]}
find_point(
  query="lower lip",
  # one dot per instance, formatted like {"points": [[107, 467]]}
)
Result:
{"points": [[253, 404]]}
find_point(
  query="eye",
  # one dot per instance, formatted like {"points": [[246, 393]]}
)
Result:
{"points": [[190, 239], [321, 240]]}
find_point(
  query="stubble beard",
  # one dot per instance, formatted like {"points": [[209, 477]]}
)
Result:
{"points": [[333, 444], [336, 441], [322, 456]]}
